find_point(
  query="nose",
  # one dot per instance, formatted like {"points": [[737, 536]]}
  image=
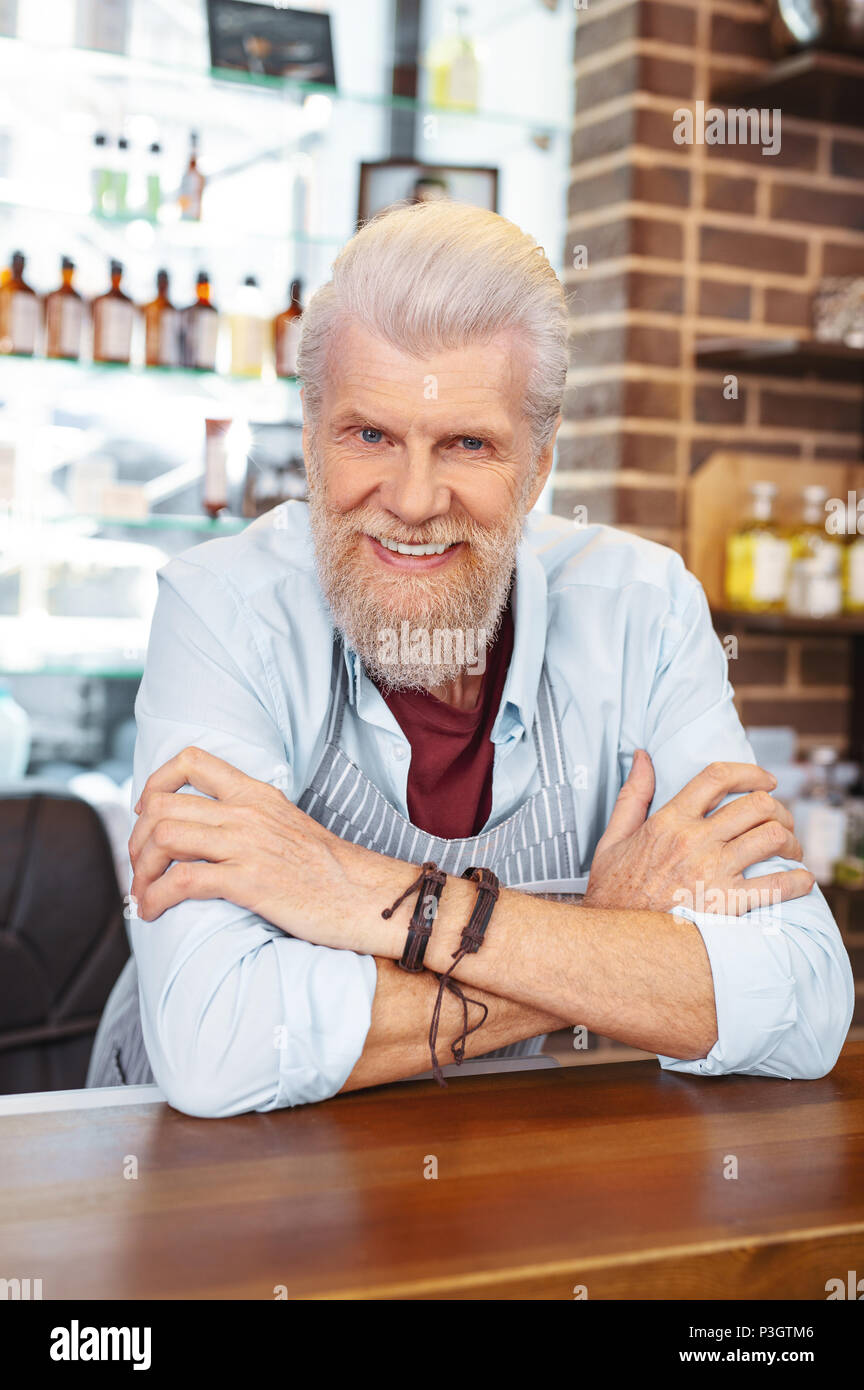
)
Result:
{"points": [[413, 489]]}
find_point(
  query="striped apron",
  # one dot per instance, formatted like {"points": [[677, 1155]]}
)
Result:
{"points": [[535, 850]]}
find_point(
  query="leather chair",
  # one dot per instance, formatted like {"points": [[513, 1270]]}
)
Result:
{"points": [[62, 935]]}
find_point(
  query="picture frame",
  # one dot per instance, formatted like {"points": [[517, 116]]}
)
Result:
{"points": [[269, 41], [388, 181]]}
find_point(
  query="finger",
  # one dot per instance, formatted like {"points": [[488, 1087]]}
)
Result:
{"points": [[768, 841], [195, 767], [160, 806], [708, 788], [768, 890], [748, 811], [631, 806], [177, 840], [181, 883]]}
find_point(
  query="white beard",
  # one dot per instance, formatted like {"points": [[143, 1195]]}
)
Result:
{"points": [[370, 604]]}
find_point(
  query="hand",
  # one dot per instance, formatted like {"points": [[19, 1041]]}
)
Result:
{"points": [[683, 852], [244, 841]]}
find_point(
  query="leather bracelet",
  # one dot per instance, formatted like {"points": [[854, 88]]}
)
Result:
{"points": [[473, 934], [431, 882]]}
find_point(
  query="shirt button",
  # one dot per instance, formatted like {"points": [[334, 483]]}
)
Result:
{"points": [[400, 752]]}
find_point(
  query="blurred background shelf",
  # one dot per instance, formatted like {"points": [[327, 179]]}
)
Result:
{"points": [[175, 81], [815, 85], [204, 527], [851, 625], [793, 357], [102, 465]]}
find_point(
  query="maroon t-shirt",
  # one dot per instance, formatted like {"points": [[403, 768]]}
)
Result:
{"points": [[450, 777]]}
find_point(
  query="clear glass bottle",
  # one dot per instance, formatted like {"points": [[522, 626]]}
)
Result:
{"points": [[757, 557], [850, 869], [101, 177], [248, 330], [286, 333], [820, 816], [64, 316], [154, 181], [453, 67], [19, 311], [15, 736], [853, 574], [199, 329], [192, 185], [816, 568], [161, 327], [113, 317], [121, 177]]}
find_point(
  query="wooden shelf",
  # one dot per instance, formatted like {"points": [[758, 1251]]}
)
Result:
{"points": [[783, 356], [816, 86], [786, 625]]}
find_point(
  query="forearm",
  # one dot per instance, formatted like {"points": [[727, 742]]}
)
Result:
{"points": [[643, 978], [397, 1044]]}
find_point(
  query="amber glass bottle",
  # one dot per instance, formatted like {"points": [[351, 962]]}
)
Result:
{"points": [[64, 317], [161, 327], [192, 185], [286, 333], [113, 315], [19, 312], [199, 329]]}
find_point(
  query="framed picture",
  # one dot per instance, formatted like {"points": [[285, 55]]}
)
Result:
{"points": [[271, 42], [397, 180]]}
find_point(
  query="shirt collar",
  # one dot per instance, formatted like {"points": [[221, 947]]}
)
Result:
{"points": [[530, 599], [515, 717]]}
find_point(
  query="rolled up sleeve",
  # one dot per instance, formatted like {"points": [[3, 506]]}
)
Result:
{"points": [[783, 984], [783, 989]]}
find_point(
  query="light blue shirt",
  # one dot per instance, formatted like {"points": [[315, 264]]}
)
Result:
{"points": [[237, 1016]]}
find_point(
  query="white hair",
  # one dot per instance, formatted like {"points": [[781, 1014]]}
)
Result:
{"points": [[440, 275]]}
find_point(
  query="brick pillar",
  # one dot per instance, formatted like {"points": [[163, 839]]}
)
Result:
{"points": [[686, 242]]}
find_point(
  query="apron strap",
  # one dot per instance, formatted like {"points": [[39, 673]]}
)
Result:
{"points": [[551, 762], [338, 691]]}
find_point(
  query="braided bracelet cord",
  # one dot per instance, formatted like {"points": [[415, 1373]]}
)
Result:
{"points": [[472, 939], [430, 882]]}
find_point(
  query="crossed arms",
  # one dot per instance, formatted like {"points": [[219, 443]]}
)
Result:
{"points": [[274, 982], [639, 974]]}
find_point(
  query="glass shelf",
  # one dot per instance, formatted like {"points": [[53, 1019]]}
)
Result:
{"points": [[184, 236], [97, 64], [82, 671], [137, 369], [156, 521]]}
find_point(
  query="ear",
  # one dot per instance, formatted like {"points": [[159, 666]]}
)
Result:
{"points": [[544, 467]]}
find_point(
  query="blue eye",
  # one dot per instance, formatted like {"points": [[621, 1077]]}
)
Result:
{"points": [[471, 442], [366, 431]]}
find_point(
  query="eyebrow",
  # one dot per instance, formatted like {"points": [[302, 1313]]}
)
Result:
{"points": [[475, 430]]}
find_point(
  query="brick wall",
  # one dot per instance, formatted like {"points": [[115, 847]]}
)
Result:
{"points": [[694, 241]]}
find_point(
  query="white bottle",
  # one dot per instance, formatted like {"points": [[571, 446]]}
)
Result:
{"points": [[248, 330], [820, 817], [14, 737]]}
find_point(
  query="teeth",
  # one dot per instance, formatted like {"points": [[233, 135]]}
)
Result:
{"points": [[413, 549]]}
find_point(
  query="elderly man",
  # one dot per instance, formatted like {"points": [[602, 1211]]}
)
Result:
{"points": [[412, 669]]}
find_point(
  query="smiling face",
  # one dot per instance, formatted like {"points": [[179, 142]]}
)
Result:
{"points": [[420, 474]]}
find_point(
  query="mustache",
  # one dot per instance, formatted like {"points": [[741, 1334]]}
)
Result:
{"points": [[360, 523]]}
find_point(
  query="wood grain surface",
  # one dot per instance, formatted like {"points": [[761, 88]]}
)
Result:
{"points": [[609, 1178]]}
